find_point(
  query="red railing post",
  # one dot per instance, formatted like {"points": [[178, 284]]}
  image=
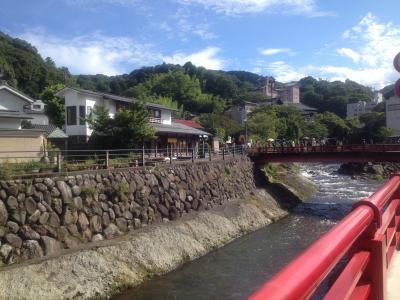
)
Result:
{"points": [[376, 272]]}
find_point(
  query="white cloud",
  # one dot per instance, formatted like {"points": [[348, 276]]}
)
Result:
{"points": [[373, 46], [84, 3], [238, 7], [206, 58], [353, 55], [273, 51], [93, 54], [281, 70], [374, 77]]}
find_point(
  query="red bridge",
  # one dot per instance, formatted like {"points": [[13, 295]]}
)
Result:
{"points": [[328, 153], [360, 249]]}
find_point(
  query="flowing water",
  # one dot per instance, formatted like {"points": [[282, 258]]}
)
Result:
{"points": [[239, 268]]}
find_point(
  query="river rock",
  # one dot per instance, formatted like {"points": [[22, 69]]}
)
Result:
{"points": [[54, 220], [95, 224], [5, 250], [65, 191], [30, 205], [29, 234], [35, 216], [31, 249], [51, 246], [14, 240], [83, 222], [13, 226], [97, 237], [76, 190], [111, 231], [122, 224], [3, 213], [12, 203]]}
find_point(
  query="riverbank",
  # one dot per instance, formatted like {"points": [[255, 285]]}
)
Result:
{"points": [[103, 268], [376, 171]]}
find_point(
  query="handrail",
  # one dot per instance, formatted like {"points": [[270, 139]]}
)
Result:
{"points": [[369, 245], [327, 148]]}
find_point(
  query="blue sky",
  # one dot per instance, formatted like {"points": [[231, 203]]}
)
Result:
{"points": [[289, 39]]}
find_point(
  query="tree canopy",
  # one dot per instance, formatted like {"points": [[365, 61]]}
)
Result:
{"points": [[129, 128]]}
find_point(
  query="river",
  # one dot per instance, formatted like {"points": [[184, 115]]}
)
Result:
{"points": [[239, 268]]}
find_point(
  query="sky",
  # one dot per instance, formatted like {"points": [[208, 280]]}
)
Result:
{"points": [[288, 39]]}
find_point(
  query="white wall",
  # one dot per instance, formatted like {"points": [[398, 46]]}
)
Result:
{"points": [[74, 98], [10, 101], [39, 119], [393, 114], [166, 117]]}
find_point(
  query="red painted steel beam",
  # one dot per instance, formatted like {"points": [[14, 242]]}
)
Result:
{"points": [[347, 281], [301, 277]]}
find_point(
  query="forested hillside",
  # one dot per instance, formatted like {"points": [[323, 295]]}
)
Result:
{"points": [[332, 96], [24, 68]]}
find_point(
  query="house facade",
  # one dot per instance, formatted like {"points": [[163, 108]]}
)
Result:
{"points": [[393, 115], [80, 103], [15, 108], [289, 93], [355, 110]]}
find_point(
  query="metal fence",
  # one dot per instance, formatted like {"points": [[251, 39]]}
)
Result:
{"points": [[28, 163]]}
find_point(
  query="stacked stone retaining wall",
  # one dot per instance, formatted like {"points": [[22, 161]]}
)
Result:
{"points": [[41, 216]]}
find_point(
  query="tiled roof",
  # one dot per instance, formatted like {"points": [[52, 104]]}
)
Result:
{"points": [[51, 131], [119, 98], [178, 128], [190, 123]]}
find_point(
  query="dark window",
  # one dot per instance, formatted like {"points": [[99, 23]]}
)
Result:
{"points": [[156, 113], [71, 115], [82, 115]]}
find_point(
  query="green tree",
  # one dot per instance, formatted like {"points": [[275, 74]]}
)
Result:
{"points": [[374, 127], [54, 108], [128, 129], [220, 125]]}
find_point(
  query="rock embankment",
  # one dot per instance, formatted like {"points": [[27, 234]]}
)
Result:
{"points": [[107, 267], [89, 236], [39, 217], [369, 170]]}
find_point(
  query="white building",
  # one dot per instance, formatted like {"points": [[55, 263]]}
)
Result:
{"points": [[16, 107], [355, 110], [393, 114], [79, 104]]}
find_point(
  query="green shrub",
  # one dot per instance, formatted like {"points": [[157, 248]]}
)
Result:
{"points": [[121, 189], [89, 191]]}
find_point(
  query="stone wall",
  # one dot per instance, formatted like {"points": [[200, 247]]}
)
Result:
{"points": [[41, 216]]}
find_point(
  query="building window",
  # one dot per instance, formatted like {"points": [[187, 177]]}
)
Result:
{"points": [[156, 113], [36, 106], [71, 115], [82, 115], [89, 111]]}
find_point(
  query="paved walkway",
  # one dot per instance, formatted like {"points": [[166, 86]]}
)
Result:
{"points": [[393, 284]]}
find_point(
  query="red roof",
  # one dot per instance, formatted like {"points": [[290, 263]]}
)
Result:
{"points": [[190, 123]]}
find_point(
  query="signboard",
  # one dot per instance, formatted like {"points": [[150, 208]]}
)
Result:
{"points": [[396, 62], [172, 140]]}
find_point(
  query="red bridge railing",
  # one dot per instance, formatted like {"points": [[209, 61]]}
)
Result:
{"points": [[366, 239], [329, 148]]}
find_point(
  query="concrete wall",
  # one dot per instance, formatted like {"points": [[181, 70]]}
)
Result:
{"points": [[11, 145], [39, 217], [393, 114]]}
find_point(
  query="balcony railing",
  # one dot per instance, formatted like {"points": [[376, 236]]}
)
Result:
{"points": [[155, 120]]}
